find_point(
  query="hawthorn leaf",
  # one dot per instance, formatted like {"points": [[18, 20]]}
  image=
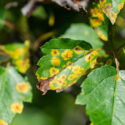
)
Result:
{"points": [[13, 91], [20, 55], [103, 94], [65, 62], [112, 8], [82, 31], [99, 21]]}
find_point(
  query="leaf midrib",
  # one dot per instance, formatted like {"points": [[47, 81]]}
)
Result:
{"points": [[3, 84]]}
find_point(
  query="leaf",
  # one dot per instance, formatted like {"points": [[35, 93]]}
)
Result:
{"points": [[13, 91], [40, 13], [20, 55], [112, 8], [82, 32], [65, 62], [99, 21], [103, 94]]}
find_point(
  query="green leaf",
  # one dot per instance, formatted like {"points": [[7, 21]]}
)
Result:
{"points": [[112, 8], [13, 91], [40, 13], [83, 32], [99, 21], [20, 54], [103, 94], [65, 62]]}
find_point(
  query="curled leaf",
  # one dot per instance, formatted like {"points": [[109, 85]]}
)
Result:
{"points": [[65, 62]]}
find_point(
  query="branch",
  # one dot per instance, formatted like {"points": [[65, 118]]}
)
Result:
{"points": [[76, 5]]}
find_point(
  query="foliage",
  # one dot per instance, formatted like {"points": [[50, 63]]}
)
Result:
{"points": [[86, 46], [13, 91]]}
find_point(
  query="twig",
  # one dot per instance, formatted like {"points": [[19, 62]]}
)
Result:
{"points": [[42, 38], [76, 5], [13, 27]]}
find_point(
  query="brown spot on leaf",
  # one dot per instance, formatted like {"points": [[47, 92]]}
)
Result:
{"points": [[59, 90], [43, 85]]}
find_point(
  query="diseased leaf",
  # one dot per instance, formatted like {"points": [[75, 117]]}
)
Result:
{"points": [[65, 62], [82, 32], [13, 91], [20, 55], [112, 8], [99, 21], [103, 94]]}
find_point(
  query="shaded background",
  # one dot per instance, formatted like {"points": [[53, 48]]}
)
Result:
{"points": [[46, 22]]}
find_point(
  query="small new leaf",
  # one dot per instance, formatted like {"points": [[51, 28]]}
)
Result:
{"points": [[103, 94], [13, 91], [65, 62]]}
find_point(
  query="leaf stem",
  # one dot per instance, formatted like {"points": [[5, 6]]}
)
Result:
{"points": [[116, 61]]}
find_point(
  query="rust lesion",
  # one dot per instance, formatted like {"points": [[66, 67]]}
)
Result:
{"points": [[43, 85]]}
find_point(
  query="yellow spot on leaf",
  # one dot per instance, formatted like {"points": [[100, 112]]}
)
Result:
{"points": [[91, 124], [98, 13], [78, 50], [17, 107], [117, 77], [22, 87], [18, 53], [77, 70], [71, 77], [54, 71], [55, 61], [2, 122], [90, 56], [93, 63], [54, 52], [69, 63], [95, 22], [67, 54], [120, 6], [101, 35], [63, 77], [102, 2], [22, 65]]}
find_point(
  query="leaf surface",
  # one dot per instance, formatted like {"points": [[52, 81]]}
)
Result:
{"points": [[20, 55], [99, 21], [65, 62], [83, 32], [103, 94], [13, 91], [112, 8]]}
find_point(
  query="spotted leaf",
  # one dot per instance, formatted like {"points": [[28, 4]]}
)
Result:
{"points": [[112, 8], [65, 62], [13, 91], [20, 55], [99, 21], [103, 94]]}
